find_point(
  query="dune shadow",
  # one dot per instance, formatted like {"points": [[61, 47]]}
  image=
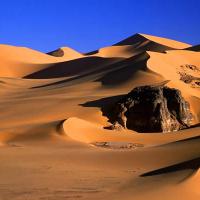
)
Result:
{"points": [[124, 71], [69, 68], [105, 104], [144, 44], [181, 141], [193, 48], [191, 164], [113, 71]]}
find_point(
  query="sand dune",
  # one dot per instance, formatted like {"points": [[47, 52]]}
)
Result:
{"points": [[72, 68], [153, 42], [66, 52], [139, 43], [55, 135], [21, 61]]}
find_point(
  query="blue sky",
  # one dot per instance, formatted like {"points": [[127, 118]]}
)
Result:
{"points": [[86, 25]]}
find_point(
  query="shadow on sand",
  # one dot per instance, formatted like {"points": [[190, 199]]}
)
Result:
{"points": [[191, 164], [105, 104]]}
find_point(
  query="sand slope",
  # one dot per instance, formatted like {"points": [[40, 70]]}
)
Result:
{"points": [[53, 140]]}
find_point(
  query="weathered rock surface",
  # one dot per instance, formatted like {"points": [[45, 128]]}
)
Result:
{"points": [[153, 109], [189, 74]]}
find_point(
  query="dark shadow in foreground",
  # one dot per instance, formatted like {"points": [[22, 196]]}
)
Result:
{"points": [[191, 164]]}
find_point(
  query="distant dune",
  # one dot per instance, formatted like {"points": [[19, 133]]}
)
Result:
{"points": [[56, 136]]}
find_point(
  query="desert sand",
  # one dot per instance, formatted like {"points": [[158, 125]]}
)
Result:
{"points": [[53, 140]]}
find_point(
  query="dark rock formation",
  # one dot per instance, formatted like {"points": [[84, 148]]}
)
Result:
{"points": [[152, 109]]}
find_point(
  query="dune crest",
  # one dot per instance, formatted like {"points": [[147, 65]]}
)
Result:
{"points": [[166, 43], [66, 53]]}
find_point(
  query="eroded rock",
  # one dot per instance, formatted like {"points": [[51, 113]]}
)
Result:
{"points": [[189, 74], [153, 109]]}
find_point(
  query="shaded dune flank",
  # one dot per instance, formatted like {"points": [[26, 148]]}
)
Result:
{"points": [[154, 42], [194, 48], [66, 52], [139, 43], [71, 68], [190, 164], [56, 115]]}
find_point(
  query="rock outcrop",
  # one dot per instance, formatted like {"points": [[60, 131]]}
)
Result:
{"points": [[189, 74], [152, 109]]}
